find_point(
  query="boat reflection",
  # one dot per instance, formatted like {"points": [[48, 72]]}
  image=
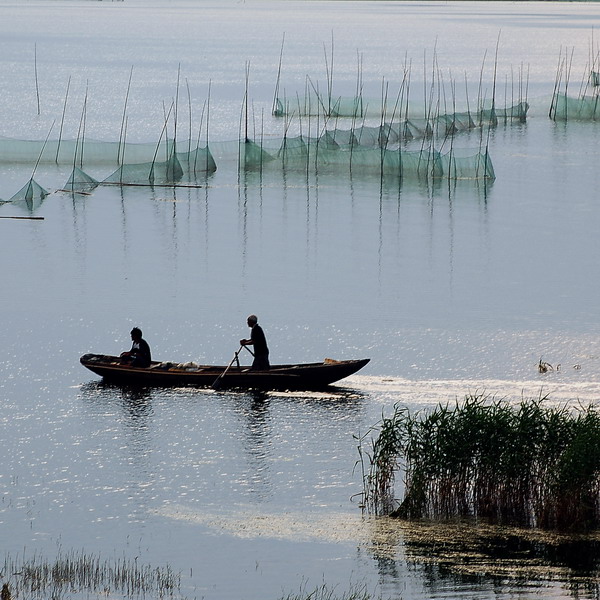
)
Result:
{"points": [[126, 414], [103, 391], [227, 444]]}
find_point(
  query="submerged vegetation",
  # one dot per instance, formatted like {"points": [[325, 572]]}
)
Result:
{"points": [[528, 464], [325, 592], [82, 573]]}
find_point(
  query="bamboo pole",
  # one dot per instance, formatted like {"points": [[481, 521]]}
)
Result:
{"points": [[62, 120], [189, 95], [37, 87], [277, 83], [121, 133]]}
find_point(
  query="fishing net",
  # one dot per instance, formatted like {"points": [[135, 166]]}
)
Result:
{"points": [[294, 148], [417, 164], [443, 126], [583, 108], [30, 195], [415, 129], [314, 104], [302, 154], [68, 151], [344, 137], [252, 156], [81, 182], [516, 112], [179, 167], [148, 173], [461, 164], [95, 153], [197, 162]]}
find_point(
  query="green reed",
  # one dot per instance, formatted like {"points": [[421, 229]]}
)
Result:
{"points": [[325, 592], [383, 455], [82, 573], [527, 464]]}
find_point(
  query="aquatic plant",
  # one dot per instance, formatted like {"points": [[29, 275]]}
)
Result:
{"points": [[383, 459], [544, 367], [79, 572], [325, 592], [528, 464]]}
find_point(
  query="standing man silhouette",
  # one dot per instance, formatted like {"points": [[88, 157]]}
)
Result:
{"points": [[258, 340]]}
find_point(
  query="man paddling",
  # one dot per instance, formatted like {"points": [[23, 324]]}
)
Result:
{"points": [[258, 340]]}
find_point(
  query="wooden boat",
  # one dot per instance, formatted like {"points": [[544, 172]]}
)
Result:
{"points": [[308, 376]]}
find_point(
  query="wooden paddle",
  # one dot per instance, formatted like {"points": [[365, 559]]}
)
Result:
{"points": [[217, 383]]}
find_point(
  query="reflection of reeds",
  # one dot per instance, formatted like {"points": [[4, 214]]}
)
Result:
{"points": [[452, 553], [38, 577], [528, 464]]}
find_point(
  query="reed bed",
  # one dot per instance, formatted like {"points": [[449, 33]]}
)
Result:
{"points": [[528, 464], [82, 573]]}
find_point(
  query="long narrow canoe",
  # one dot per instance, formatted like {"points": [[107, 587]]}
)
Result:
{"points": [[308, 376]]}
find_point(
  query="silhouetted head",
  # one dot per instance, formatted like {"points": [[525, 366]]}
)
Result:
{"points": [[252, 320], [136, 333]]}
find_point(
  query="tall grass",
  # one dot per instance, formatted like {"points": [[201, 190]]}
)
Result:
{"points": [[528, 464], [325, 592], [82, 573]]}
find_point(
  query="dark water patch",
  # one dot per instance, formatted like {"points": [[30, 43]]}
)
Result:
{"points": [[475, 555]]}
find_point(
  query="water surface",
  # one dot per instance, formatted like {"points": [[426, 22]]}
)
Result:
{"points": [[449, 288]]}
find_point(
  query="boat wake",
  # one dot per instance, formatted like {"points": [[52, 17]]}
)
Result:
{"points": [[434, 391]]}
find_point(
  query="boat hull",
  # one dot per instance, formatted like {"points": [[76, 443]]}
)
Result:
{"points": [[308, 376]]}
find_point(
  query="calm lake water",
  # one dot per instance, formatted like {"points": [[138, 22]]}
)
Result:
{"points": [[450, 289]]}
